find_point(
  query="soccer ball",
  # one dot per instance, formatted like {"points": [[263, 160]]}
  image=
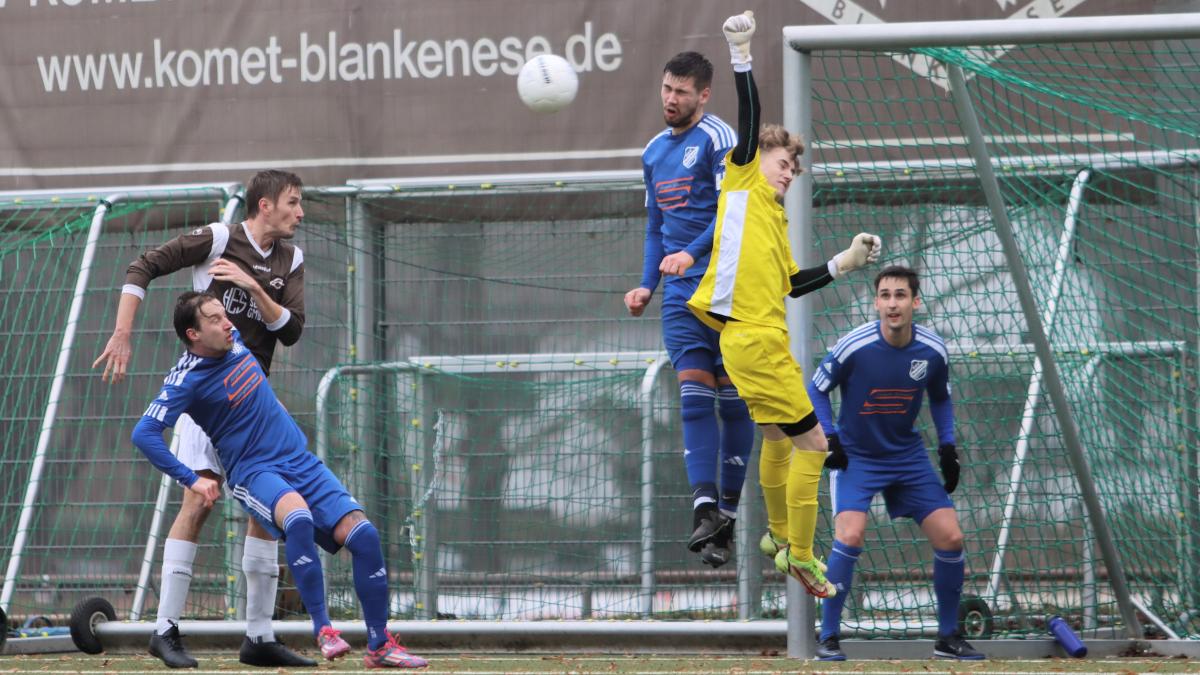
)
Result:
{"points": [[547, 83]]}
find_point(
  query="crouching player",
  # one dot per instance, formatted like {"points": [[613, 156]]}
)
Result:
{"points": [[220, 384]]}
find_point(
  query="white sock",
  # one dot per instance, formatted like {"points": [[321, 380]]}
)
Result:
{"points": [[260, 564], [178, 556]]}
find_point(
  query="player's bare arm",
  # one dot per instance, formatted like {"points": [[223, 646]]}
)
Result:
{"points": [[118, 351], [224, 270]]}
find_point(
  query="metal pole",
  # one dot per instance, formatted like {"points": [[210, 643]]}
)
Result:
{"points": [[797, 116], [1033, 395], [749, 567], [647, 492], [1062, 410], [970, 33], [60, 375]]}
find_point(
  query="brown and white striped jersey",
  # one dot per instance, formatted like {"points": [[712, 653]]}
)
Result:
{"points": [[279, 270]]}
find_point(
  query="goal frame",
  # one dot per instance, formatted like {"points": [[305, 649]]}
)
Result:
{"points": [[799, 44]]}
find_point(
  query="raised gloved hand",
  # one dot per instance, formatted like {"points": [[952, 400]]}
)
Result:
{"points": [[864, 250], [837, 458], [738, 30], [948, 460]]}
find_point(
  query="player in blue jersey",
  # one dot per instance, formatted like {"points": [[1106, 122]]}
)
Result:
{"points": [[884, 369], [682, 167], [220, 384]]}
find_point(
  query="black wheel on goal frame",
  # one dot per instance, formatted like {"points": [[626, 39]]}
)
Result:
{"points": [[3, 628], [89, 613], [975, 618]]}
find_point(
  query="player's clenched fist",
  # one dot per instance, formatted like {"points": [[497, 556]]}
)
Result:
{"points": [[206, 488], [636, 300], [676, 263], [864, 250], [738, 30]]}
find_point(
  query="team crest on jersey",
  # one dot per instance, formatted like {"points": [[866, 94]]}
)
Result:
{"points": [[198, 231], [277, 283], [690, 153], [918, 368]]}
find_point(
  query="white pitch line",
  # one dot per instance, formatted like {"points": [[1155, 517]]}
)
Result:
{"points": [[433, 668]]}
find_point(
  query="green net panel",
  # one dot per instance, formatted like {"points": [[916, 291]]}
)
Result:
{"points": [[480, 390], [1113, 271]]}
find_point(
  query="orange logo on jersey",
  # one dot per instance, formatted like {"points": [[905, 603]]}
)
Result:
{"points": [[888, 401], [672, 194], [244, 379]]}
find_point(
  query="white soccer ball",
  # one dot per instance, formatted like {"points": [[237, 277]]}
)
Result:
{"points": [[547, 83]]}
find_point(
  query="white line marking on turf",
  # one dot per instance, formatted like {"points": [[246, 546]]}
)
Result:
{"points": [[433, 668]]}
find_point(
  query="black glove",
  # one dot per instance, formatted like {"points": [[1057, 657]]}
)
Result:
{"points": [[948, 460], [837, 458]]}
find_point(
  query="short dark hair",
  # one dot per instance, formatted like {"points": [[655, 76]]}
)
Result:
{"points": [[693, 65], [269, 183], [902, 272], [187, 308]]}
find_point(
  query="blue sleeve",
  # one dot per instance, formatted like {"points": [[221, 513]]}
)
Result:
{"points": [[147, 435], [702, 244], [941, 408], [824, 379], [652, 251]]}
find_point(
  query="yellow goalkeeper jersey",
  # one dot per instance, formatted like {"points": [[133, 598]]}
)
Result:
{"points": [[749, 272]]}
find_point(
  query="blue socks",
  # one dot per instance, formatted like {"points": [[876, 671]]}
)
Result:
{"points": [[700, 434], [737, 440], [842, 559], [948, 569], [370, 580], [306, 565]]}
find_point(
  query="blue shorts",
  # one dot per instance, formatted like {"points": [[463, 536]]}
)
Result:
{"points": [[911, 488], [682, 331], [325, 495]]}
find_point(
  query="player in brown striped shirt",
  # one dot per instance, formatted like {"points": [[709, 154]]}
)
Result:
{"points": [[259, 277]]}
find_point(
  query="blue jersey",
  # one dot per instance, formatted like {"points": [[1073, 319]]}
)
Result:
{"points": [[683, 175], [882, 390], [230, 399]]}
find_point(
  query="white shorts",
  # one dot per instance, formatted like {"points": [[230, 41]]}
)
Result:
{"points": [[195, 449]]}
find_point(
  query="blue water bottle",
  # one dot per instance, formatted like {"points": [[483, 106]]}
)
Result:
{"points": [[1066, 637]]}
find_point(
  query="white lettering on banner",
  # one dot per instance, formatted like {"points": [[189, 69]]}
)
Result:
{"points": [[850, 12], [320, 58], [77, 3]]}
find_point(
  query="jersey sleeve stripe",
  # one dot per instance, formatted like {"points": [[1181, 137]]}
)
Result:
{"points": [[719, 132], [181, 369], [847, 350], [935, 344], [297, 258], [853, 338], [821, 381]]}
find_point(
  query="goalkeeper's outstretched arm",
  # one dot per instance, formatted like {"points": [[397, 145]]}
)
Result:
{"points": [[738, 30]]}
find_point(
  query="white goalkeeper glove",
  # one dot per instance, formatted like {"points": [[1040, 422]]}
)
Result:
{"points": [[864, 250], [738, 30]]}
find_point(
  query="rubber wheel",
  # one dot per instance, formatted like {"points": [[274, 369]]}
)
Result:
{"points": [[975, 618], [84, 618]]}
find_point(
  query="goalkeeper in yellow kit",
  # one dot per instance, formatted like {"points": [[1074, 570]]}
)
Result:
{"points": [[742, 295]]}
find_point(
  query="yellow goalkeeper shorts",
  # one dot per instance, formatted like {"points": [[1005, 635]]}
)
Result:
{"points": [[760, 364]]}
